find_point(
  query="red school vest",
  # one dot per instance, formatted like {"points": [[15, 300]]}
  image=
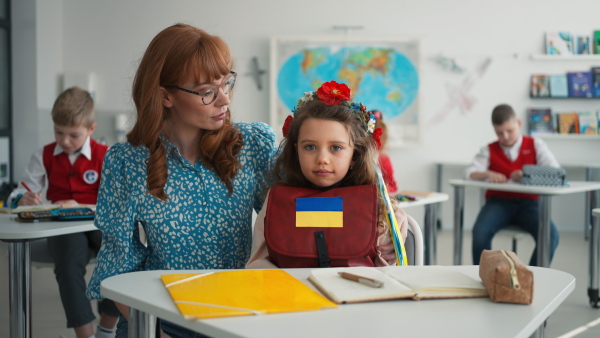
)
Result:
{"points": [[79, 181], [500, 163]]}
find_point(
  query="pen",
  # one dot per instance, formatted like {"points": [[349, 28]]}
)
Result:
{"points": [[26, 186], [374, 283]]}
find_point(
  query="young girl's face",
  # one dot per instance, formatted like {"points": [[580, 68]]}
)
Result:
{"points": [[324, 151]]}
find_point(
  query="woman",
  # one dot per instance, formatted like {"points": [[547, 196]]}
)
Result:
{"points": [[186, 175]]}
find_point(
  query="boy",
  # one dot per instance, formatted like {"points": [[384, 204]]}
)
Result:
{"points": [[72, 166], [499, 162]]}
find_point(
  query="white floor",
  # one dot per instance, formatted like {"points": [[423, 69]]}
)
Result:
{"points": [[572, 257]]}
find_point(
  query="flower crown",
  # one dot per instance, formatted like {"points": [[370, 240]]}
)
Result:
{"points": [[332, 93]]}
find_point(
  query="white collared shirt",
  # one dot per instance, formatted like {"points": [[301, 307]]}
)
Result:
{"points": [[543, 156], [35, 172]]}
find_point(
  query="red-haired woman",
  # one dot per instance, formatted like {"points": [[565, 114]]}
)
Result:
{"points": [[187, 175]]}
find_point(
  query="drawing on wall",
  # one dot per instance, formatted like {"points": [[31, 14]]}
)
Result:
{"points": [[381, 73], [459, 96]]}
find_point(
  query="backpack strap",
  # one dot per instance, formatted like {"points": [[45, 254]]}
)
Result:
{"points": [[322, 255]]}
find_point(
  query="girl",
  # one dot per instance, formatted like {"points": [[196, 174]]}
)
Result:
{"points": [[384, 160], [329, 143]]}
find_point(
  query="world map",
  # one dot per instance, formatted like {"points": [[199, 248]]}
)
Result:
{"points": [[380, 78]]}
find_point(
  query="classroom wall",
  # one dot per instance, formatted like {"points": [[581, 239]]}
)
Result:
{"points": [[107, 38]]}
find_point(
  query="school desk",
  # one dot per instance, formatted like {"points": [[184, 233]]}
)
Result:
{"points": [[431, 204], [18, 236], [145, 293], [594, 262], [544, 192], [589, 176]]}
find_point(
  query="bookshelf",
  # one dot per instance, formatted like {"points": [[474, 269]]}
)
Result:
{"points": [[592, 60], [557, 136], [574, 57]]}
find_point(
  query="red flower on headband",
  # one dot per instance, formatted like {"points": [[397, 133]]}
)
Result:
{"points": [[377, 137], [286, 125], [332, 93]]}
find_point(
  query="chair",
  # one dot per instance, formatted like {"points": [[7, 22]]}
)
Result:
{"points": [[516, 233], [414, 243]]}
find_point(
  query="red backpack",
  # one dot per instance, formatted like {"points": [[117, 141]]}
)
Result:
{"points": [[307, 228]]}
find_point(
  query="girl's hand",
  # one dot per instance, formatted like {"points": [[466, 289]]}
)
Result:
{"points": [[388, 253], [30, 198], [164, 335]]}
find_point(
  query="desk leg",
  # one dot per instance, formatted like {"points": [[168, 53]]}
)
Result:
{"points": [[459, 202], [19, 269], [594, 260], [438, 187], [539, 333], [431, 233], [589, 201], [141, 324], [543, 240]]}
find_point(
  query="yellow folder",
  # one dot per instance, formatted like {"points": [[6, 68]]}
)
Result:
{"points": [[241, 293]]}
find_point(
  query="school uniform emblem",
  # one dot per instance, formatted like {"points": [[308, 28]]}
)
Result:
{"points": [[90, 176]]}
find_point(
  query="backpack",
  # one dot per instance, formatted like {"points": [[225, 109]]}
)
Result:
{"points": [[308, 228]]}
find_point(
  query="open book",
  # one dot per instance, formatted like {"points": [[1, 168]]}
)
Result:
{"points": [[416, 282]]}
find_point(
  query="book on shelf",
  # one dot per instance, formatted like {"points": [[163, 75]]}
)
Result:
{"points": [[540, 121], [580, 84], [595, 81], [559, 85], [412, 282], [588, 123], [540, 85], [559, 43], [581, 44], [241, 293], [596, 42], [567, 123]]}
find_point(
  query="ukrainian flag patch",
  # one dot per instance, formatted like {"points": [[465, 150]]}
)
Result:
{"points": [[319, 212]]}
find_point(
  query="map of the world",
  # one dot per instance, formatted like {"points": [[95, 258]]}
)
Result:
{"points": [[381, 78]]}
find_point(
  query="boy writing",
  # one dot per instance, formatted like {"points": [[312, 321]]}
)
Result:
{"points": [[72, 166], [499, 162]]}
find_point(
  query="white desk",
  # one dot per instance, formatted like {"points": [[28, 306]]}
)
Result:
{"points": [[431, 204], [590, 198], [594, 261], [18, 236], [145, 293], [544, 192]]}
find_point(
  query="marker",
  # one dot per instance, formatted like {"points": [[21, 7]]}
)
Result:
{"points": [[374, 283], [26, 186]]}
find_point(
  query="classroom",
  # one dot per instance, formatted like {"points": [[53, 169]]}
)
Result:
{"points": [[471, 56]]}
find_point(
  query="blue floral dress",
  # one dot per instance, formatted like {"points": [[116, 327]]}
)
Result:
{"points": [[201, 226]]}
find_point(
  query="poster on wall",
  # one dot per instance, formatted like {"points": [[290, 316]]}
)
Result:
{"points": [[381, 73]]}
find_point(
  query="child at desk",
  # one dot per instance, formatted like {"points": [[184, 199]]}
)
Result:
{"points": [[72, 166], [385, 163], [499, 162], [327, 144]]}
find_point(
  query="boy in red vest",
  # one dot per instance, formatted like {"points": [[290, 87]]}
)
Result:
{"points": [[499, 162], [72, 166]]}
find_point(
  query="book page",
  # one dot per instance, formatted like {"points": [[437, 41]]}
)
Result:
{"points": [[341, 290], [434, 277]]}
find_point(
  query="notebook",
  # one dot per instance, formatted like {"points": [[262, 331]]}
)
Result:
{"points": [[241, 293], [414, 282]]}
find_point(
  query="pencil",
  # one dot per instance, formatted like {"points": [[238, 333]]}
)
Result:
{"points": [[374, 283], [26, 186]]}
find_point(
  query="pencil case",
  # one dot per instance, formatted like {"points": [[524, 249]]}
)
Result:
{"points": [[67, 214], [506, 278], [543, 175]]}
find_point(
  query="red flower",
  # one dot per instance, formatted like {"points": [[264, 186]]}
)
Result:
{"points": [[332, 93], [377, 137], [286, 125]]}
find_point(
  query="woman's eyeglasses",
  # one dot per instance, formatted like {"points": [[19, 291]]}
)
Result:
{"points": [[210, 94]]}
